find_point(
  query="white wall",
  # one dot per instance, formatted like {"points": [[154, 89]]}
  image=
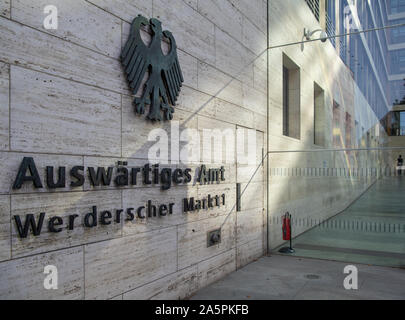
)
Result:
{"points": [[312, 186]]}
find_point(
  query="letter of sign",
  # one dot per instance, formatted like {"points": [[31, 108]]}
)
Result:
{"points": [[165, 77]]}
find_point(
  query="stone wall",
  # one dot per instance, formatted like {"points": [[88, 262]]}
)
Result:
{"points": [[64, 101]]}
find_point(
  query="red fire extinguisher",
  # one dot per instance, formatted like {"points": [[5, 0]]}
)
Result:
{"points": [[287, 227], [287, 234]]}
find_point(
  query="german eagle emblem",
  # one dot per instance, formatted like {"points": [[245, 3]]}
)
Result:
{"points": [[162, 88]]}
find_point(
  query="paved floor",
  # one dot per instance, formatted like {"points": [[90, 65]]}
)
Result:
{"points": [[369, 234], [370, 231], [282, 277]]}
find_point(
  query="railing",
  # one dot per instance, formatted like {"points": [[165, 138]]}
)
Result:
{"points": [[330, 30], [314, 6]]}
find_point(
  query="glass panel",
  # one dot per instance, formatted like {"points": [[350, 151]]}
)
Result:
{"points": [[345, 205], [337, 168]]}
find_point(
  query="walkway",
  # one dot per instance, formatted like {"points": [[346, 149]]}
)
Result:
{"points": [[281, 277]]}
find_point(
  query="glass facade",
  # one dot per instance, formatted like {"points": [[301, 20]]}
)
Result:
{"points": [[396, 6], [341, 182], [395, 123]]}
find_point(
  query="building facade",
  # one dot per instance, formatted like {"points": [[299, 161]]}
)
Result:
{"points": [[66, 108]]}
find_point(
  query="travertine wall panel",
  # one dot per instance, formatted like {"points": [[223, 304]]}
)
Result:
{"points": [[213, 82], [176, 286], [136, 131], [63, 205], [148, 256], [5, 6], [49, 114], [196, 102], [194, 33], [189, 68], [127, 10], [255, 11], [233, 57], [5, 241], [30, 48], [254, 100], [233, 113], [216, 268], [224, 15], [249, 226], [140, 197], [260, 73], [260, 122], [192, 3], [253, 195], [217, 140], [249, 252], [192, 237], [254, 38], [24, 278], [250, 173], [4, 105], [78, 22], [11, 161]]}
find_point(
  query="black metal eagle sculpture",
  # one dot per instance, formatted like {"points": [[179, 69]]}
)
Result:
{"points": [[165, 80]]}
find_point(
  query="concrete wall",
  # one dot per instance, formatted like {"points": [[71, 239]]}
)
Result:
{"points": [[64, 101], [313, 186]]}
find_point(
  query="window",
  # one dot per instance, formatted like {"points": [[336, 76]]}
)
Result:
{"points": [[398, 35], [285, 101], [314, 6], [336, 126], [368, 140], [330, 18], [395, 123], [291, 99], [398, 61], [348, 130], [319, 116], [397, 6]]}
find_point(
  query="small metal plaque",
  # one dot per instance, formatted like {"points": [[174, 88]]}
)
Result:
{"points": [[213, 237]]}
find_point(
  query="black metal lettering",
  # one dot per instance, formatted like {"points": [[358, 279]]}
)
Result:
{"points": [[53, 222], [61, 178], [78, 176], [123, 178], [102, 176], [177, 176], [130, 214], [72, 221], [134, 173], [188, 204], [29, 221], [93, 216], [166, 178], [105, 217], [27, 163]]}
